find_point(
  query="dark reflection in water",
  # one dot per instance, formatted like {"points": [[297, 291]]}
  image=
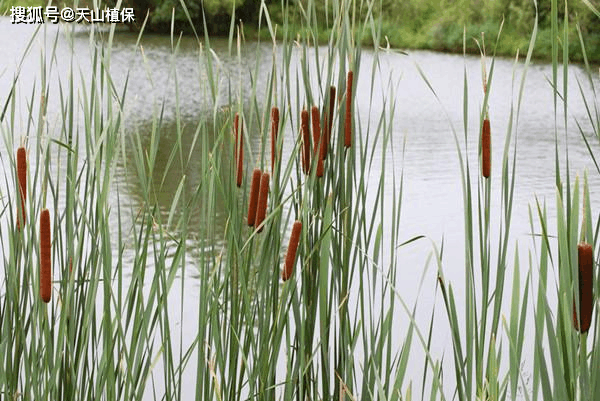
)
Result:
{"points": [[178, 161]]}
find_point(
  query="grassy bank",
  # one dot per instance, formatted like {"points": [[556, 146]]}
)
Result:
{"points": [[326, 321], [408, 24]]}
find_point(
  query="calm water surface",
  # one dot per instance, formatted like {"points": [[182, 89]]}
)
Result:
{"points": [[432, 198]]}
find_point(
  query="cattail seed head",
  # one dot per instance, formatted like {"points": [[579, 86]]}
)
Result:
{"points": [[45, 257], [305, 142], [274, 132], [586, 288], [290, 256], [22, 178], [263, 196], [348, 121], [317, 139], [254, 196], [485, 149]]}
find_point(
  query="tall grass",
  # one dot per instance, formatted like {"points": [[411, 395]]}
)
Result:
{"points": [[319, 320]]}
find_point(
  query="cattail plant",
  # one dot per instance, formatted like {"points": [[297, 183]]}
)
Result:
{"points": [[274, 132], [254, 196], [485, 148], [22, 178], [586, 288], [263, 196], [290, 256], [239, 156], [317, 139], [45, 257], [348, 121], [305, 142]]}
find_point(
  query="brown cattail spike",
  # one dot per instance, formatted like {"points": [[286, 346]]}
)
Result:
{"points": [[348, 121], [290, 256], [240, 154], [586, 288], [274, 132], [329, 119], [305, 142], [22, 177], [254, 196], [485, 148], [45, 257], [317, 139], [263, 196]]}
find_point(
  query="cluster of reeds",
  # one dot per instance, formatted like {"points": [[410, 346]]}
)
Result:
{"points": [[341, 330]]}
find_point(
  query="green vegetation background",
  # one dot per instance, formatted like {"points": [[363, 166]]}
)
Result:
{"points": [[409, 24]]}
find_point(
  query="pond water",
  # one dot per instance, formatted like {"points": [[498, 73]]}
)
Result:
{"points": [[432, 200]]}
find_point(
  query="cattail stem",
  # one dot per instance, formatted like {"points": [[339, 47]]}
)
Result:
{"points": [[290, 256], [22, 178], [239, 155], [317, 140], [45, 257], [348, 121], [254, 196], [485, 149], [263, 196], [274, 132], [305, 142], [586, 288]]}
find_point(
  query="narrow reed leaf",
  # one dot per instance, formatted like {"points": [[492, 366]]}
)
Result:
{"points": [[45, 257], [485, 149], [254, 196], [305, 142], [274, 132], [290, 256], [348, 120], [586, 288], [317, 140], [329, 119], [236, 122], [22, 177], [263, 196], [239, 155]]}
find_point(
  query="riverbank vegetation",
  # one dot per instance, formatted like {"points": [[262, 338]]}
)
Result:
{"points": [[410, 24], [326, 320]]}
